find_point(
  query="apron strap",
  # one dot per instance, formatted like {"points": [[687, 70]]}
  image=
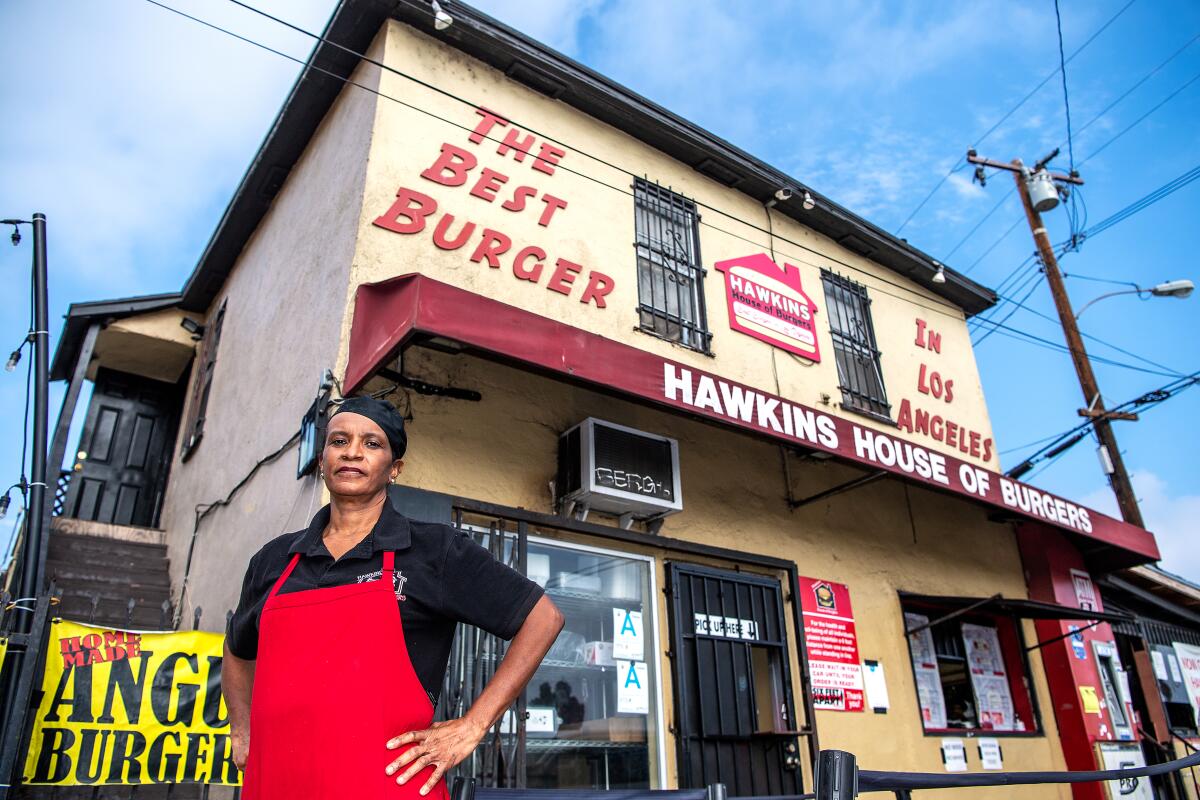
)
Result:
{"points": [[389, 565], [283, 578]]}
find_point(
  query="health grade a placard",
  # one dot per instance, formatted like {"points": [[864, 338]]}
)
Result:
{"points": [[628, 642]]}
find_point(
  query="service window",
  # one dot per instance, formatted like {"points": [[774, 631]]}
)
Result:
{"points": [[970, 673]]}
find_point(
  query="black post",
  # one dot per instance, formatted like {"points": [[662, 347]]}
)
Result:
{"points": [[19, 670], [37, 482], [837, 776]]}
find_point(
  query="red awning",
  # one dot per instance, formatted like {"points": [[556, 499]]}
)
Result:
{"points": [[389, 313]]}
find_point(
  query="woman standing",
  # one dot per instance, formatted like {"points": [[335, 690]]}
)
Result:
{"points": [[341, 638]]}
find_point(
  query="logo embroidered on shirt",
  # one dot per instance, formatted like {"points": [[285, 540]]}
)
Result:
{"points": [[398, 581]]}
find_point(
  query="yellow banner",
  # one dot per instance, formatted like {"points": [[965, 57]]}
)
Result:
{"points": [[121, 707], [3, 652]]}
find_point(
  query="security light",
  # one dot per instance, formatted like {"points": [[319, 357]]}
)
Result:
{"points": [[441, 20], [940, 275]]}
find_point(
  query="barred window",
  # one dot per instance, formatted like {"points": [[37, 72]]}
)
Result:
{"points": [[670, 277], [854, 348]]}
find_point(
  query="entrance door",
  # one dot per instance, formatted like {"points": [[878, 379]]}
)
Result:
{"points": [[733, 693], [127, 441]]}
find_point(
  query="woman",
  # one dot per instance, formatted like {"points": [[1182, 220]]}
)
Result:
{"points": [[337, 650]]}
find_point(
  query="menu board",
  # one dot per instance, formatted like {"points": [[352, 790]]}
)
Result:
{"points": [[925, 670], [989, 678], [832, 642]]}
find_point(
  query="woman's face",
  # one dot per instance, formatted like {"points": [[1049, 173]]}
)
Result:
{"points": [[357, 459]]}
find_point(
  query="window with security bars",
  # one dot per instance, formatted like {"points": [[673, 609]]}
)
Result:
{"points": [[859, 375], [670, 278]]}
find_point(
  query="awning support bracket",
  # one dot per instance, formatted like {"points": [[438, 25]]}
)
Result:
{"points": [[953, 614], [1040, 645], [862, 480]]}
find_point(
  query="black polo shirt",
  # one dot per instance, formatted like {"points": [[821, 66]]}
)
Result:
{"points": [[442, 578]]}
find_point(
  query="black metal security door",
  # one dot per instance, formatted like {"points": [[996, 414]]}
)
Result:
{"points": [[127, 439], [735, 717]]}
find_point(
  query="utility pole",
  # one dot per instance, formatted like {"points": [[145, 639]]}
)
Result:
{"points": [[1041, 182]]}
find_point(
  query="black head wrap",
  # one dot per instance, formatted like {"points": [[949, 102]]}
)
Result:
{"points": [[384, 415]]}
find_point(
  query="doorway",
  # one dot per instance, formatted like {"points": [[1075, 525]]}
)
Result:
{"points": [[124, 451], [735, 715]]}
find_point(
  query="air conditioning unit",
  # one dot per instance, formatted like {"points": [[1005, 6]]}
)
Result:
{"points": [[607, 467]]}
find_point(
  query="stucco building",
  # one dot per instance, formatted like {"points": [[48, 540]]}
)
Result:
{"points": [[782, 410]]}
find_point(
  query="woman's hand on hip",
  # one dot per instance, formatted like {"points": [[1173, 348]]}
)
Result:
{"points": [[443, 744], [241, 748]]}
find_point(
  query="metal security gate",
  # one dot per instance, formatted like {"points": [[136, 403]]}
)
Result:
{"points": [[735, 716]]}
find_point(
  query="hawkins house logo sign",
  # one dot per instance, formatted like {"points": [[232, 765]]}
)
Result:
{"points": [[768, 303]]}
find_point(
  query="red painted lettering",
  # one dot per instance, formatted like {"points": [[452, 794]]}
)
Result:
{"points": [[453, 160], [920, 342], [598, 287], [552, 204], [403, 207], [547, 158], [951, 434], [493, 245], [520, 195], [904, 416], [949, 391], [563, 277], [485, 125], [936, 427], [513, 141], [443, 228], [529, 273], [922, 386], [976, 439], [921, 423], [987, 449], [935, 342], [489, 181]]}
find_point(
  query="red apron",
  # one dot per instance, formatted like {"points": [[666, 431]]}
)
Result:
{"points": [[333, 683]]}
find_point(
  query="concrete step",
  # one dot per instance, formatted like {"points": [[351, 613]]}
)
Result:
{"points": [[89, 575], [78, 543]]}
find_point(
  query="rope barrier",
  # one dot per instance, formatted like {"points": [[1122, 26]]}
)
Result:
{"points": [[843, 781]]}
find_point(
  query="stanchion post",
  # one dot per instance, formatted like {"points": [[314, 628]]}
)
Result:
{"points": [[837, 775]]}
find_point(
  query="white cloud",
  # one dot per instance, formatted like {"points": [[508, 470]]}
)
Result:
{"points": [[1174, 520]]}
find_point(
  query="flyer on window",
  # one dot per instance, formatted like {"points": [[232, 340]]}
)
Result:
{"points": [[989, 678], [832, 642], [925, 670]]}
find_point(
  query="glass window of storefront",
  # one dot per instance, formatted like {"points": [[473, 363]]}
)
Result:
{"points": [[592, 712], [970, 673]]}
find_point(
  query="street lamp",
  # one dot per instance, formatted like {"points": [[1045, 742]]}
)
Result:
{"points": [[1180, 289]]}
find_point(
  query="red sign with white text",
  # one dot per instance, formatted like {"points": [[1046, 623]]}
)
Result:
{"points": [[768, 303], [829, 635]]}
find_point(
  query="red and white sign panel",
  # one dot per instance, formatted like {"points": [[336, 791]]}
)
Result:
{"points": [[768, 303], [837, 683]]}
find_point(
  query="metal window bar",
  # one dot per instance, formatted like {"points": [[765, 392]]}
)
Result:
{"points": [[670, 274], [499, 760], [856, 352]]}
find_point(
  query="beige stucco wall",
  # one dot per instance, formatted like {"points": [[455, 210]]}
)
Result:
{"points": [[153, 345], [596, 230], [281, 330], [503, 450]]}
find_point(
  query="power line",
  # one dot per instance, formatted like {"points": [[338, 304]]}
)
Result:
{"points": [[1058, 445], [960, 163], [1029, 338], [1137, 84], [1137, 121], [1062, 68], [950, 309]]}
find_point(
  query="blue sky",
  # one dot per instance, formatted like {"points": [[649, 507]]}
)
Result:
{"points": [[140, 123]]}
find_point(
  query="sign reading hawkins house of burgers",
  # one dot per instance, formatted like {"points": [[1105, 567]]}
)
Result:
{"points": [[768, 303]]}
